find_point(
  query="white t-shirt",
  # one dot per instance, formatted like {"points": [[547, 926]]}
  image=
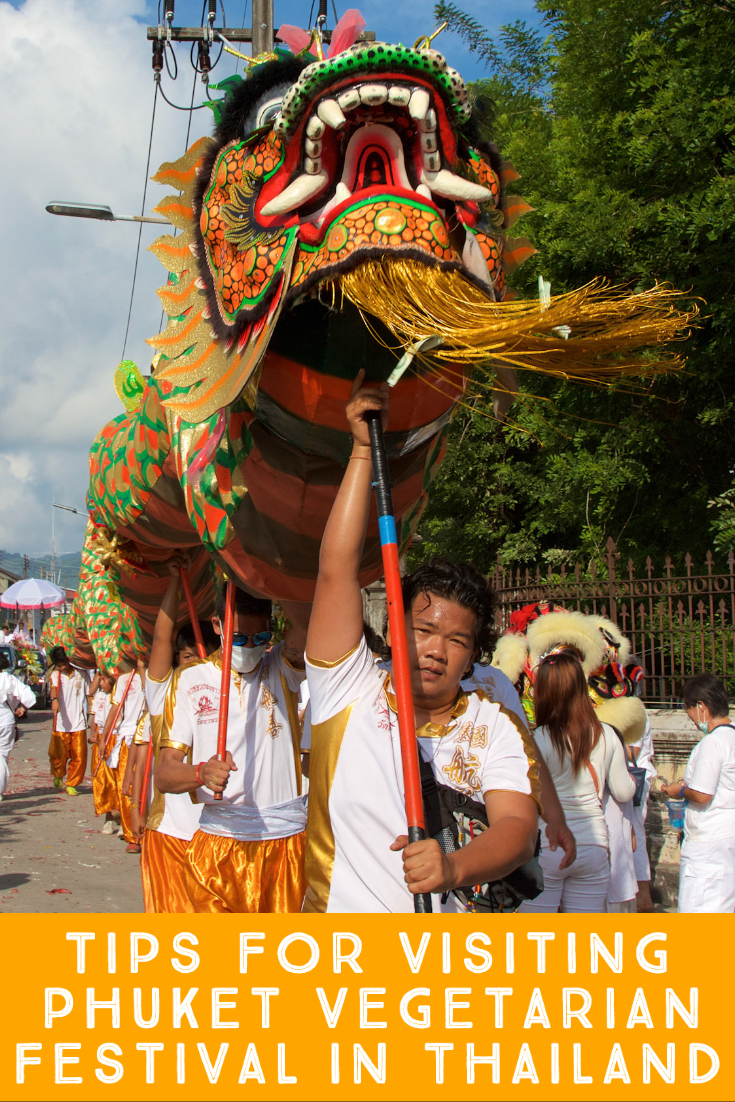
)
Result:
{"points": [[127, 721], [356, 793], [711, 768], [580, 797], [259, 735], [72, 696], [13, 692], [101, 705], [171, 813]]}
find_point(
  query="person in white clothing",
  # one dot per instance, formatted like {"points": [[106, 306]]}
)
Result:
{"points": [[247, 855], [641, 754], [68, 746], [104, 789], [358, 854], [498, 687], [128, 702], [15, 700], [172, 819], [583, 755], [707, 871]]}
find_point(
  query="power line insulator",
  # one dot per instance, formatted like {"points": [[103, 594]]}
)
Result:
{"points": [[157, 61], [204, 61]]}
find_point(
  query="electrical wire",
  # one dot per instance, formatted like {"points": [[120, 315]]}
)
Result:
{"points": [[156, 89], [242, 26]]}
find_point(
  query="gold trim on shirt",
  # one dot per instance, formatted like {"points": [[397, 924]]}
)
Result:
{"points": [[323, 665], [158, 803], [326, 743], [292, 711], [169, 744], [529, 747], [429, 730], [159, 680]]}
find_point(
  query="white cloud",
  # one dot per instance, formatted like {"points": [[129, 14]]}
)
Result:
{"points": [[77, 91]]}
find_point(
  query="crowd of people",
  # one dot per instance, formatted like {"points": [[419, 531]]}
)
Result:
{"points": [[307, 810]]}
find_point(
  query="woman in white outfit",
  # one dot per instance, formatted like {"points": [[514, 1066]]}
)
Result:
{"points": [[707, 871], [582, 755], [15, 699]]}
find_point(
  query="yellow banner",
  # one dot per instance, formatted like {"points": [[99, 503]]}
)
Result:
{"points": [[366, 1007]]}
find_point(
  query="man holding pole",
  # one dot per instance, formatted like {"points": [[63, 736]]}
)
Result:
{"points": [[358, 857], [248, 853]]}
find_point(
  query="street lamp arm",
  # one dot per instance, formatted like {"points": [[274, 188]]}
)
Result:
{"points": [[99, 212]]}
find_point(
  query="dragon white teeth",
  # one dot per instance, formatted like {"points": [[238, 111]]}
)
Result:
{"points": [[313, 149], [341, 193], [349, 100], [312, 166], [473, 259], [373, 93], [448, 185], [315, 128], [330, 112], [432, 162], [429, 123], [303, 188], [419, 103], [422, 189], [428, 143], [399, 96]]}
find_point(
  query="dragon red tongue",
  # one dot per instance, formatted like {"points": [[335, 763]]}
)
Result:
{"points": [[373, 168], [374, 157]]}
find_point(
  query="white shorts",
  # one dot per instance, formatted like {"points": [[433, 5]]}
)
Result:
{"points": [[707, 877]]}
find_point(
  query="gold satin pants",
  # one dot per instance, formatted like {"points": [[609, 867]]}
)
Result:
{"points": [[123, 802], [68, 749], [227, 876], [104, 789], [163, 870]]}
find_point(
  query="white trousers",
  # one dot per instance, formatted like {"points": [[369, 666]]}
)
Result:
{"points": [[580, 889], [707, 877], [640, 857], [7, 740]]}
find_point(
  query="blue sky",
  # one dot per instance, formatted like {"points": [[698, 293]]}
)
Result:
{"points": [[77, 92]]}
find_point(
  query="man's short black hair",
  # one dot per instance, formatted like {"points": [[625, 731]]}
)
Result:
{"points": [[186, 640], [462, 583], [245, 603], [708, 689], [58, 656]]}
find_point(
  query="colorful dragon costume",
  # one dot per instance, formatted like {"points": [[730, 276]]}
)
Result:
{"points": [[345, 206], [612, 675]]}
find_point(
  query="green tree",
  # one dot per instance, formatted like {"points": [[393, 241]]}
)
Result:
{"points": [[620, 116]]}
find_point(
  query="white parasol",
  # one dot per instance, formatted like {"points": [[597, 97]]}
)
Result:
{"points": [[32, 593]]}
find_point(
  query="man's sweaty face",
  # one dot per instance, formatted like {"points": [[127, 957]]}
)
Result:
{"points": [[441, 646]]}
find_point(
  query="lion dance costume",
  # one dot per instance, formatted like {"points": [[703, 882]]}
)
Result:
{"points": [[345, 206]]}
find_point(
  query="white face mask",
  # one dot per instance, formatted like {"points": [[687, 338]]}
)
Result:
{"points": [[245, 659]]}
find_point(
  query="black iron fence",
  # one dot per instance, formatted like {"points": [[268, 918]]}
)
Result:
{"points": [[678, 623]]}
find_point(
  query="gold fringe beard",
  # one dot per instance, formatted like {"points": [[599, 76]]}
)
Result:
{"points": [[613, 333]]}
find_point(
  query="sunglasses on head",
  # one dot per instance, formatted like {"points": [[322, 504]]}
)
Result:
{"points": [[260, 639]]}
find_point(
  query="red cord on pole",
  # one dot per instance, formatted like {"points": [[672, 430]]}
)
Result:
{"points": [[224, 696], [186, 586], [402, 686]]}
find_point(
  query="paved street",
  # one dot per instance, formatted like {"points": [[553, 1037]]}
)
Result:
{"points": [[50, 841]]}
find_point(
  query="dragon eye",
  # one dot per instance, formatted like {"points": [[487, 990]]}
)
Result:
{"points": [[268, 112]]}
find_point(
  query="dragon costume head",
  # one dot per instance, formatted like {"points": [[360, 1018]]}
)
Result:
{"points": [[344, 208]]}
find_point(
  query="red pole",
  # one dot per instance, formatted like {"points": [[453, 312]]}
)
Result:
{"points": [[224, 695], [399, 645], [111, 737], [186, 586]]}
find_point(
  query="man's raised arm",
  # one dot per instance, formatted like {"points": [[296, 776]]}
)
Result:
{"points": [[335, 627]]}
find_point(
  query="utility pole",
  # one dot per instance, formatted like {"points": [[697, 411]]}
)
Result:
{"points": [[262, 26]]}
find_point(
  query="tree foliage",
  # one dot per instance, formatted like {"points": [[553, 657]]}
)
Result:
{"points": [[620, 115]]}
